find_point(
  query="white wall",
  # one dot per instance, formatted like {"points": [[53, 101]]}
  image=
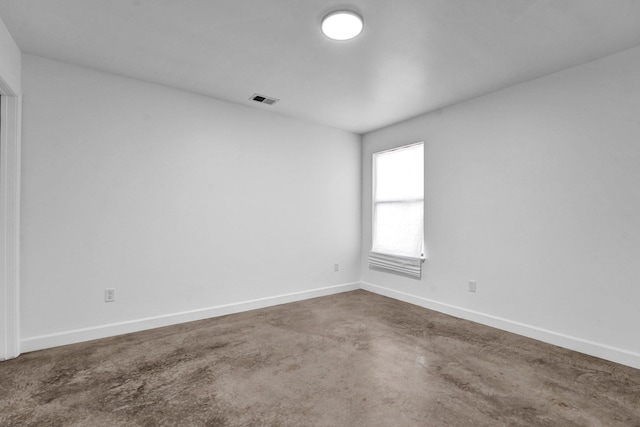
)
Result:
{"points": [[182, 202], [178, 201], [534, 192]]}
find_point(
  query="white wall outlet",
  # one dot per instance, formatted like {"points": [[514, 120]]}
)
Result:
{"points": [[336, 267], [472, 285], [109, 295]]}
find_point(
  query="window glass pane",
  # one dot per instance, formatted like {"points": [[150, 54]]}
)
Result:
{"points": [[398, 228], [399, 174]]}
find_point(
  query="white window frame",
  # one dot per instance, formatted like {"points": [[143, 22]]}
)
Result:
{"points": [[408, 265]]}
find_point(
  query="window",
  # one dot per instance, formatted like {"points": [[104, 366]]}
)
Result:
{"points": [[398, 210]]}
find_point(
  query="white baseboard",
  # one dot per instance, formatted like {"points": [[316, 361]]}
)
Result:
{"points": [[103, 331], [602, 351], [591, 348]]}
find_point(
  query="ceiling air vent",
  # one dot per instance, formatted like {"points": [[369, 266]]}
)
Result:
{"points": [[263, 99]]}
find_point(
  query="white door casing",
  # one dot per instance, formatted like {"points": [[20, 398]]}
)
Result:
{"points": [[10, 125]]}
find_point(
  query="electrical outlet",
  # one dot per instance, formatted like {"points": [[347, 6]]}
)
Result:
{"points": [[336, 267], [472, 285], [109, 295]]}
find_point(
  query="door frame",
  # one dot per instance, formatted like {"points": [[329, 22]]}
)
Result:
{"points": [[10, 137]]}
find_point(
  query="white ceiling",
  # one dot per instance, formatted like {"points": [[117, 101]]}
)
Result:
{"points": [[414, 56]]}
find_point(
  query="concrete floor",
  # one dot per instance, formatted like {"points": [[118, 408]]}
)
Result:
{"points": [[353, 359]]}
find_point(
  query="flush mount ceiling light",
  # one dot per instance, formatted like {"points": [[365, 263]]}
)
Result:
{"points": [[342, 25]]}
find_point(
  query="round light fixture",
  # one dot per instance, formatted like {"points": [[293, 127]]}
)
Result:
{"points": [[342, 25]]}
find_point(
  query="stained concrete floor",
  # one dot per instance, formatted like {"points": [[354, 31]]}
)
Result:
{"points": [[353, 359]]}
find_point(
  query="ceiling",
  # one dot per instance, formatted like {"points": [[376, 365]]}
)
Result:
{"points": [[413, 57]]}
